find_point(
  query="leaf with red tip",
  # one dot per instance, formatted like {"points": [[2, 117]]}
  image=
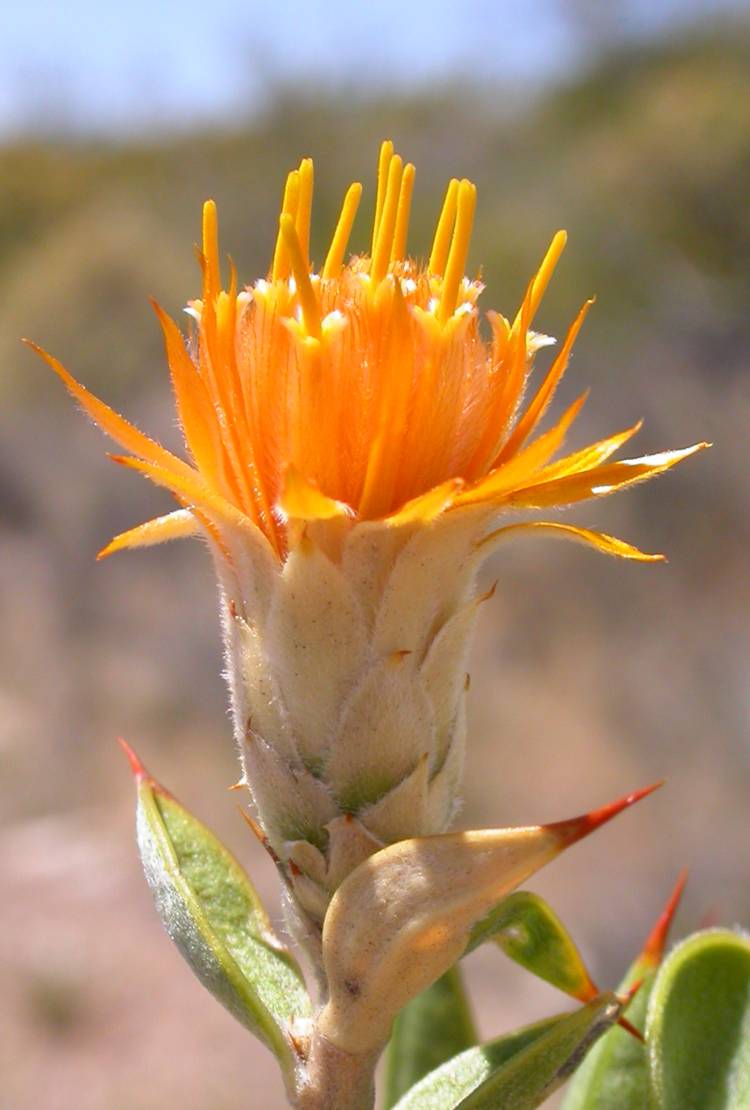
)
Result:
{"points": [[614, 1076], [212, 912], [518, 1071], [405, 915]]}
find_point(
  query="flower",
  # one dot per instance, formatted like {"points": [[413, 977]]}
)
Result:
{"points": [[352, 441]]}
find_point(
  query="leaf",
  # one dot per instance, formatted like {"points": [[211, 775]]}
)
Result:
{"points": [[530, 932], [213, 914], [443, 1088], [432, 1028], [614, 1075], [528, 1079], [698, 1025], [517, 1071]]}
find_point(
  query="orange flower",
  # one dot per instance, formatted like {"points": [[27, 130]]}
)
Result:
{"points": [[364, 390], [352, 440]]}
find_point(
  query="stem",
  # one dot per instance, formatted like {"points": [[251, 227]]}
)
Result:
{"points": [[337, 1080]]}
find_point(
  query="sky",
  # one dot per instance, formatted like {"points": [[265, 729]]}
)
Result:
{"points": [[96, 66]]}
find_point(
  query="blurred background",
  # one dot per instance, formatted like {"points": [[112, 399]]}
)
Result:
{"points": [[626, 123]]}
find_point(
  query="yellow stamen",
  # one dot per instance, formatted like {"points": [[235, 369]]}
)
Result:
{"points": [[280, 269], [305, 292], [304, 206], [442, 241], [211, 249], [459, 252], [398, 250], [226, 308], [379, 393], [393, 414], [387, 224], [384, 162], [545, 272], [340, 240]]}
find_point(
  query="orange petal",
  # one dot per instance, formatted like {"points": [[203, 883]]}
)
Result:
{"points": [[111, 422], [523, 466], [188, 487], [196, 413], [172, 526], [300, 499], [599, 481], [609, 545], [428, 505], [546, 391], [593, 455]]}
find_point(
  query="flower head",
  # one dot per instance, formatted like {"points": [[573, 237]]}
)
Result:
{"points": [[352, 440], [363, 390]]}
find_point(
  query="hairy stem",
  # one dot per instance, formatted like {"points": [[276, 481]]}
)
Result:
{"points": [[337, 1080]]}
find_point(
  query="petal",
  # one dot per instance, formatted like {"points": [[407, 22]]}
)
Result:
{"points": [[609, 545], [593, 455], [172, 526], [188, 486], [523, 466], [546, 391], [598, 481], [301, 499], [112, 423], [196, 413], [427, 506]]}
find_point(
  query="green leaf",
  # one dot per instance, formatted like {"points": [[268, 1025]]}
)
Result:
{"points": [[698, 1025], [517, 1071], [443, 1088], [614, 1075], [212, 912], [432, 1028], [531, 933]]}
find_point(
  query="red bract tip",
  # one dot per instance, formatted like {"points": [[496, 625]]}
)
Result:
{"points": [[630, 1028], [633, 991], [258, 833], [623, 1021], [252, 824], [136, 766], [575, 828], [653, 949]]}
